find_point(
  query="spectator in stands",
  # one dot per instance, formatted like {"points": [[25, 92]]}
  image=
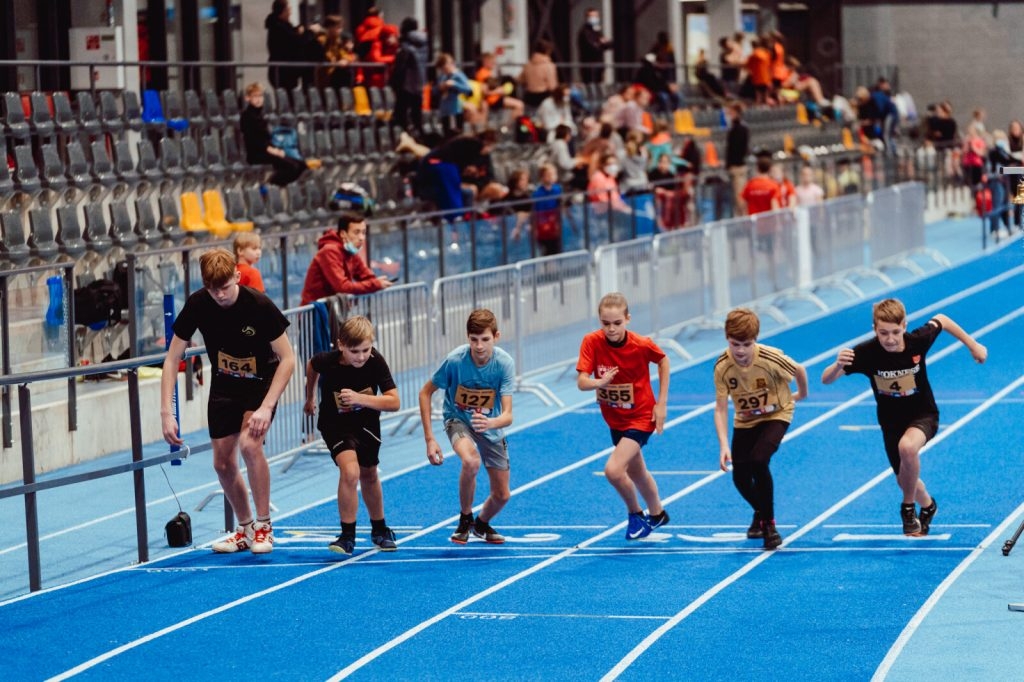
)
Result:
{"points": [[808, 192], [633, 177], [613, 105], [670, 196], [660, 144], [759, 71], [762, 193], [571, 169], [664, 56], [730, 61], [248, 249], [554, 111], [807, 84], [256, 135], [497, 95], [787, 192], [869, 116], [247, 343], [710, 86], [737, 147], [547, 218], [370, 36], [651, 77], [539, 77], [450, 84], [337, 267], [977, 124], [591, 45], [408, 76], [337, 53], [603, 189], [632, 116], [973, 157], [998, 157], [780, 67], [288, 43], [888, 114], [606, 141], [452, 173], [1015, 136], [847, 177], [941, 127]]}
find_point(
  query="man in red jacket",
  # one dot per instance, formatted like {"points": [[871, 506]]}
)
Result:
{"points": [[337, 267]]}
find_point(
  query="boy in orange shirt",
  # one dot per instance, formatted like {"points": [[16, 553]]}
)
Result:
{"points": [[615, 364], [248, 249]]}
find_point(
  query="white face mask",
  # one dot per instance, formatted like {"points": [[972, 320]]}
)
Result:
{"points": [[594, 22], [611, 170], [351, 248]]}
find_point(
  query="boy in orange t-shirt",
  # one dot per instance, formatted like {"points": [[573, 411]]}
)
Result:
{"points": [[248, 249], [616, 364]]}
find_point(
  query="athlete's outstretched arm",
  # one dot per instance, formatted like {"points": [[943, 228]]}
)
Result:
{"points": [[978, 351]]}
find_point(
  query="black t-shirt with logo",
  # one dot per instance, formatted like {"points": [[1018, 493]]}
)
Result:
{"points": [[372, 378], [237, 338], [899, 380]]}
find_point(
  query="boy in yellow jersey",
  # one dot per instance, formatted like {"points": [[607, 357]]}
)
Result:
{"points": [[757, 378]]}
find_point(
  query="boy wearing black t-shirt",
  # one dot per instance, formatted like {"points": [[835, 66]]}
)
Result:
{"points": [[252, 360], [355, 387], [895, 362]]}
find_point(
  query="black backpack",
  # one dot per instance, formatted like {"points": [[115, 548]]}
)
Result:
{"points": [[98, 302]]}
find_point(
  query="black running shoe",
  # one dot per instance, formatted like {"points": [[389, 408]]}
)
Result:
{"points": [[483, 530], [461, 534], [772, 539], [345, 544], [755, 532], [658, 520], [911, 524], [926, 516]]}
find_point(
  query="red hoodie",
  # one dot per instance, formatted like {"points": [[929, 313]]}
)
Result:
{"points": [[334, 270]]}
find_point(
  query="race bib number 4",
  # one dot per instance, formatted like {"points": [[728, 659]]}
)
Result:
{"points": [[481, 399], [752, 405], [242, 368], [616, 395], [896, 387]]}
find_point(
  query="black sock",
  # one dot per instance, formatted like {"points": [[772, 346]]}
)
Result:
{"points": [[466, 517], [658, 517], [348, 529], [377, 526]]}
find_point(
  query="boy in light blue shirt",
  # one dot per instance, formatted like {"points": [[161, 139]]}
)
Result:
{"points": [[478, 380]]}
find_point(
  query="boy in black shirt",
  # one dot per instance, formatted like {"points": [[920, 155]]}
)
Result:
{"points": [[349, 421], [252, 359], [895, 362]]}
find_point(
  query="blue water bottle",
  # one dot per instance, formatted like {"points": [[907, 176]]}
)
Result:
{"points": [[54, 321]]}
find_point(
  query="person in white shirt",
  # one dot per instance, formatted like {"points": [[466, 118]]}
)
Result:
{"points": [[808, 192]]}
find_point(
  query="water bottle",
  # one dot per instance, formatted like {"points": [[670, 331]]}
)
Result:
{"points": [[53, 322]]}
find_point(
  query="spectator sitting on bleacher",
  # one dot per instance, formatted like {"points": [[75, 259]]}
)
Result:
{"points": [[631, 116], [497, 94], [451, 173], [337, 267], [451, 83], [614, 104], [538, 76], [570, 169], [652, 78], [660, 144], [256, 135], [375, 42], [287, 43], [605, 141], [603, 189], [554, 111], [709, 84], [633, 178]]}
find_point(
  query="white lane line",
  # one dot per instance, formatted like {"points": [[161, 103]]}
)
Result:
{"points": [[480, 615], [901, 642], [649, 641], [891, 537]]}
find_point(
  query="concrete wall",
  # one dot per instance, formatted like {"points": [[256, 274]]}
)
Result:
{"points": [[955, 52]]}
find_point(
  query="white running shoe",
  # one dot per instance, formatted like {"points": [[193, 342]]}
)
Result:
{"points": [[239, 542], [263, 538]]}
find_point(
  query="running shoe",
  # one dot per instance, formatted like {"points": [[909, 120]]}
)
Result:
{"points": [[483, 530], [262, 538], [772, 539], [239, 542], [345, 544], [461, 534], [385, 542], [926, 516], [755, 532], [911, 524], [658, 520], [638, 526]]}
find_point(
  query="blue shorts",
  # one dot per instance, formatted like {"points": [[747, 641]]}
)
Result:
{"points": [[639, 436]]}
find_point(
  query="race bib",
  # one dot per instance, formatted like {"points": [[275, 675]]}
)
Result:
{"points": [[616, 395], [898, 387], [752, 405], [241, 368], [349, 408], [481, 399]]}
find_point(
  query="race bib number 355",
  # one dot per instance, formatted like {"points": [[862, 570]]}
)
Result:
{"points": [[616, 394], [242, 368]]}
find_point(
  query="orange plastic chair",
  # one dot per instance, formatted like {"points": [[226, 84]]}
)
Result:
{"points": [[711, 159]]}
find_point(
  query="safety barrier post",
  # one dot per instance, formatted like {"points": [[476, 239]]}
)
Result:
{"points": [[28, 475], [139, 475]]}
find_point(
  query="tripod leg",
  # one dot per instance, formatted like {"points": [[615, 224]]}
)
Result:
{"points": [[1008, 545]]}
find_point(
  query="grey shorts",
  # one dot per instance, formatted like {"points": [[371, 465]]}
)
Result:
{"points": [[493, 455]]}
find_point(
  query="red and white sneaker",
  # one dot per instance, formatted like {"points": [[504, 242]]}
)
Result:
{"points": [[239, 542], [263, 538]]}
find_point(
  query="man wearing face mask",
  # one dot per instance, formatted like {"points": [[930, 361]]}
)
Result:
{"points": [[337, 267], [591, 45]]}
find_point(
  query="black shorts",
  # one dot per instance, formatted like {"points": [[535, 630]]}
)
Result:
{"points": [[759, 442], [366, 443], [928, 424], [225, 412], [641, 437]]}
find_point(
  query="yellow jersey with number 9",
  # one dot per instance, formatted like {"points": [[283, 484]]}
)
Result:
{"points": [[760, 391]]}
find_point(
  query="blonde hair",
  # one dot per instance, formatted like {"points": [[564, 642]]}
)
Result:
{"points": [[613, 300], [742, 324], [355, 331], [890, 310], [217, 267]]}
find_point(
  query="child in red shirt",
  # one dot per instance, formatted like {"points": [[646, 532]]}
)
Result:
{"points": [[619, 362], [248, 249]]}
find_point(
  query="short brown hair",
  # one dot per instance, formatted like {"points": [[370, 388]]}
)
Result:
{"points": [[890, 310], [613, 300], [481, 320], [217, 267], [742, 324], [354, 331], [244, 240]]}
